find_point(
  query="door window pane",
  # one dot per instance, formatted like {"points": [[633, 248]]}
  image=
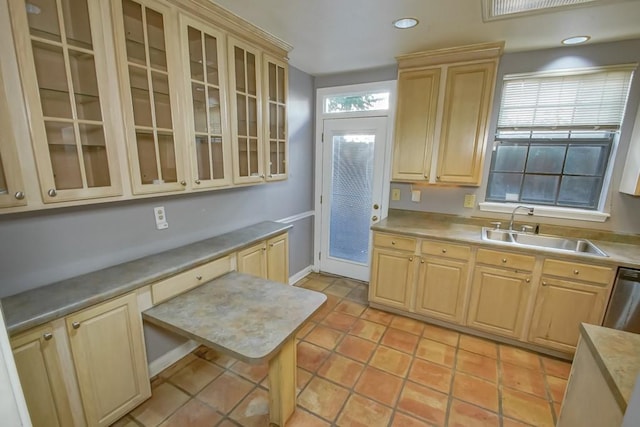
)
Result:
{"points": [[351, 197]]}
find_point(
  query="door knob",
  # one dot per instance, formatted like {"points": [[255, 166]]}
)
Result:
{"points": [[374, 218]]}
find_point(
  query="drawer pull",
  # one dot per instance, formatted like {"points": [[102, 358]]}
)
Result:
{"points": [[444, 251], [47, 336], [504, 260], [199, 277], [576, 272], [410, 259], [75, 325]]}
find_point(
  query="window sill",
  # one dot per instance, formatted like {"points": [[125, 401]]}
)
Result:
{"points": [[547, 211]]}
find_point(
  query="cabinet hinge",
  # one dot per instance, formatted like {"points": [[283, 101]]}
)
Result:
{"points": [[320, 199], [322, 137], [319, 253]]}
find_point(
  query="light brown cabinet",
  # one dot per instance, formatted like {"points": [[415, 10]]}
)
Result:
{"points": [[12, 192], [268, 259], [448, 132], [276, 94], [392, 278]]}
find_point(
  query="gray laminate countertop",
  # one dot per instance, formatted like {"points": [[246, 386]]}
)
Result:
{"points": [[617, 354], [37, 306], [245, 316], [419, 225]]}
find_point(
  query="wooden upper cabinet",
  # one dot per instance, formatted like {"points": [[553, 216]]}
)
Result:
{"points": [[444, 105], [62, 60], [276, 88], [147, 57], [415, 123], [245, 86], [12, 191], [204, 56]]}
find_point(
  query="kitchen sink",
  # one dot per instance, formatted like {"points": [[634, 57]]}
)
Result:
{"points": [[553, 243]]}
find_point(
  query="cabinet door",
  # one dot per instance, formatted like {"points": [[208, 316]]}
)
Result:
{"points": [[392, 277], [62, 59], [41, 378], [110, 360], [203, 50], [467, 105], [559, 309], [415, 124], [147, 58], [253, 260], [246, 112], [278, 259], [11, 185], [498, 301], [275, 118], [442, 289]]}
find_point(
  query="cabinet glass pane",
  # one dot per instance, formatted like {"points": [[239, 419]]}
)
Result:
{"points": [[215, 118], [140, 96], [241, 102], [251, 74], [85, 85], [253, 116], [76, 23], [273, 157], [64, 155], [273, 120], [3, 180], [199, 107], [273, 81], [167, 157], [216, 155], [195, 54], [202, 156], [147, 157], [281, 85], [211, 52], [281, 121], [52, 80], [94, 153], [253, 157], [155, 36], [43, 19], [240, 76], [160, 83], [243, 157], [134, 34], [281, 157]]}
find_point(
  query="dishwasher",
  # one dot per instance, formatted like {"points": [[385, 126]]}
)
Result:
{"points": [[624, 306]]}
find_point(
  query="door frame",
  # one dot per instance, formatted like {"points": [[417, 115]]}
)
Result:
{"points": [[321, 93]]}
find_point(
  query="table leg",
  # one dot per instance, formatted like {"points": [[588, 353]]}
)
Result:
{"points": [[282, 384]]}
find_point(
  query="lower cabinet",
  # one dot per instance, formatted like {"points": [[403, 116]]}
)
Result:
{"points": [[108, 358], [268, 259], [392, 277]]}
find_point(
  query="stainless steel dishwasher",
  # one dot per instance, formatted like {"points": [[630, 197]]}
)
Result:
{"points": [[624, 306]]}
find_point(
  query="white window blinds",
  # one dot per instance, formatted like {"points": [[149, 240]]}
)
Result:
{"points": [[584, 99]]}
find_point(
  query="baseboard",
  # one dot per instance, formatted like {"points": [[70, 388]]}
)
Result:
{"points": [[300, 275], [168, 359]]}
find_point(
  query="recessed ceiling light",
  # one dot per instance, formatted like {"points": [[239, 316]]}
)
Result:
{"points": [[404, 23], [575, 40]]}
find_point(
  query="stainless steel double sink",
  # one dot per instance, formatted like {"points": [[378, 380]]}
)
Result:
{"points": [[553, 243]]}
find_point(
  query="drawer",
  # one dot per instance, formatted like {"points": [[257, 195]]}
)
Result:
{"points": [[444, 249], [506, 259], [394, 242], [577, 271], [187, 280]]}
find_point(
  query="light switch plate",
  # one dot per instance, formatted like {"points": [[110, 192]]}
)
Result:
{"points": [[469, 200], [395, 194], [415, 195]]}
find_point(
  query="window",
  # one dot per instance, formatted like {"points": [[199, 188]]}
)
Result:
{"points": [[366, 101], [555, 137]]}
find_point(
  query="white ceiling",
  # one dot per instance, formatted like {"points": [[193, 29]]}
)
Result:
{"points": [[331, 36]]}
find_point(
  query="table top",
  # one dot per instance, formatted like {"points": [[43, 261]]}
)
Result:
{"points": [[245, 316]]}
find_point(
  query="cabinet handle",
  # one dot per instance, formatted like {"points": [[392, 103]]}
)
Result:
{"points": [[183, 183], [544, 283], [52, 192], [197, 181], [444, 251], [19, 195], [199, 277], [410, 259], [576, 272], [75, 325], [47, 336], [504, 260]]}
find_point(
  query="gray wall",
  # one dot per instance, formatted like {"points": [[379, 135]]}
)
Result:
{"points": [[42, 247], [623, 208]]}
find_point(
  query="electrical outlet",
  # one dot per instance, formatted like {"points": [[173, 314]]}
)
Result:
{"points": [[469, 200], [395, 194], [415, 195], [161, 218]]}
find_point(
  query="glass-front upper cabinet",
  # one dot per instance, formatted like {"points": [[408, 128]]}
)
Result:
{"points": [[275, 118], [203, 50], [146, 53], [246, 118], [12, 191], [61, 55]]}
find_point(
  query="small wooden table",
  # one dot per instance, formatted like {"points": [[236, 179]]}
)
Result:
{"points": [[252, 319]]}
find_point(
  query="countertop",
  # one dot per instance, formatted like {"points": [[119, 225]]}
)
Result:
{"points": [[422, 226], [251, 318], [37, 306], [617, 353]]}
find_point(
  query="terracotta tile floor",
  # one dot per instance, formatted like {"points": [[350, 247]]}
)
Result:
{"points": [[358, 366]]}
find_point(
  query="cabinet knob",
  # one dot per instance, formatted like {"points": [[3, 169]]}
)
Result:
{"points": [[47, 336], [52, 192], [19, 195], [527, 280], [544, 283], [504, 260], [576, 272], [421, 261], [271, 245], [197, 181], [410, 259], [199, 277], [438, 177], [496, 224], [393, 242], [262, 176], [183, 183], [270, 175], [75, 325], [264, 249], [444, 251], [376, 206], [374, 218]]}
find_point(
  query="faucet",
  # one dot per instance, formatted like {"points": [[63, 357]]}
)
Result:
{"points": [[530, 213]]}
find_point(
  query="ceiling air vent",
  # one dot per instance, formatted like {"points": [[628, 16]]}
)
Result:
{"points": [[502, 9]]}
